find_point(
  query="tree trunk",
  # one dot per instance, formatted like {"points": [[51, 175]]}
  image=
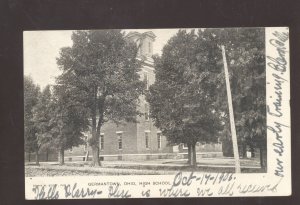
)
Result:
{"points": [[37, 160], [263, 158], [252, 152], [189, 153], [96, 160], [61, 157], [47, 155], [193, 155], [95, 150], [244, 150], [96, 129], [29, 156], [227, 148], [86, 156]]}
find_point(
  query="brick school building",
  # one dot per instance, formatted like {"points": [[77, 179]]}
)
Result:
{"points": [[135, 141], [142, 140]]}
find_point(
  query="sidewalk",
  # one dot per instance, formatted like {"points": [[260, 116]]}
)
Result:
{"points": [[165, 164], [47, 168], [202, 162]]}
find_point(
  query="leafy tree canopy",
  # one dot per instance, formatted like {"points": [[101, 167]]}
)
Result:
{"points": [[68, 119], [31, 95], [182, 98], [42, 117], [190, 84], [102, 71]]}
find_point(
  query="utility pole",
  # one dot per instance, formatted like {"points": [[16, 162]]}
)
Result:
{"points": [[231, 116]]}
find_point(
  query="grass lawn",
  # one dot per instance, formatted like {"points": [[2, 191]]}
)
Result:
{"points": [[140, 168]]}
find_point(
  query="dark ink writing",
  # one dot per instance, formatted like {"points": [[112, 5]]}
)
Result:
{"points": [[204, 192], [116, 192], [279, 168], [174, 192], [278, 99], [183, 180], [146, 193], [45, 191], [278, 147], [254, 188], [74, 192], [226, 190], [279, 63], [277, 129]]}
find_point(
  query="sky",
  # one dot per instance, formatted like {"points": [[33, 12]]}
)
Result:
{"points": [[41, 48]]}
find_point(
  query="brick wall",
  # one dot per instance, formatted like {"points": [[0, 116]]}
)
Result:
{"points": [[129, 141]]}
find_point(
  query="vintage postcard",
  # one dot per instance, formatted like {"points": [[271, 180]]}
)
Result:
{"points": [[157, 113]]}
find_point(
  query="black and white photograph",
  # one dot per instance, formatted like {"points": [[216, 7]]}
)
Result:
{"points": [[149, 102], [138, 102]]}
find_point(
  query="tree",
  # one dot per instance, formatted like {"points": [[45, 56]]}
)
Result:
{"points": [[245, 48], [190, 71], [41, 119], [31, 95], [182, 99], [102, 69], [68, 121]]}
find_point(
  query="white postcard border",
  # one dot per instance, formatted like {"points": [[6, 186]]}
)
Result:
{"points": [[276, 182]]}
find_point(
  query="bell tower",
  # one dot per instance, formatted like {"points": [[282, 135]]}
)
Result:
{"points": [[144, 42]]}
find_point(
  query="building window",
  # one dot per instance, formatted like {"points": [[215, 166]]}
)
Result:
{"points": [[159, 140], [146, 112], [120, 145], [147, 139], [146, 80], [101, 141]]}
